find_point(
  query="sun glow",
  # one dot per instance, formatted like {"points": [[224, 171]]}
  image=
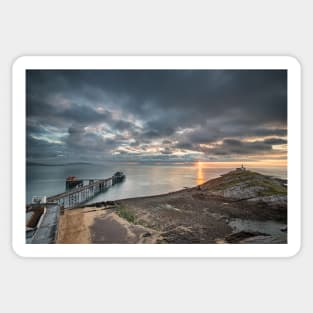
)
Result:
{"points": [[200, 174]]}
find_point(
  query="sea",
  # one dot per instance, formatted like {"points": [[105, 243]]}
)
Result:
{"points": [[141, 179]]}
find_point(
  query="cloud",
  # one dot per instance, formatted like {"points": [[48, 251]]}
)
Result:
{"points": [[39, 149], [275, 141], [93, 114], [234, 148], [166, 150]]}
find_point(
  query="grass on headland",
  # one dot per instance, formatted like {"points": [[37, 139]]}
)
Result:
{"points": [[250, 179], [125, 213], [271, 189]]}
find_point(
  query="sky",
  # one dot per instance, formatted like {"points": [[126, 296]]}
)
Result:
{"points": [[156, 116]]}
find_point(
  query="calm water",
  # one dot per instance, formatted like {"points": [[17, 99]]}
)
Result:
{"points": [[141, 180], [269, 227]]}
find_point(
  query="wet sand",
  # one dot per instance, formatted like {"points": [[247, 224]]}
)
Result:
{"points": [[102, 226]]}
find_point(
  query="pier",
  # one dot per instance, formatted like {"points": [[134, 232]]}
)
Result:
{"points": [[83, 193], [42, 216]]}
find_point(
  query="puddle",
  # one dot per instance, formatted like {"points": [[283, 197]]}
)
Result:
{"points": [[217, 216], [220, 241], [268, 227], [168, 207]]}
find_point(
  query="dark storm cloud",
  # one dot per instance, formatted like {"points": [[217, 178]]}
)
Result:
{"points": [[185, 146], [232, 146], [50, 110], [204, 134], [43, 150], [134, 108], [157, 129], [84, 114], [238, 147], [275, 141], [200, 92], [166, 142]]}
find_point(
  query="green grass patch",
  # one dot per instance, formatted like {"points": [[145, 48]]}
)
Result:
{"points": [[125, 213], [272, 189], [228, 184], [251, 179]]}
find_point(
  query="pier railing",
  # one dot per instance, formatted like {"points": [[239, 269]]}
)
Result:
{"points": [[78, 195]]}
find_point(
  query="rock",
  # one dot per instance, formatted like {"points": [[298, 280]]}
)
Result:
{"points": [[237, 237], [265, 240], [181, 235], [278, 199]]}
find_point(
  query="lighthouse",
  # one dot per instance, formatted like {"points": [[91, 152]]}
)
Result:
{"points": [[242, 168]]}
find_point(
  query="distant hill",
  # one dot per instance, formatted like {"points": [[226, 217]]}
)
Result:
{"points": [[55, 164]]}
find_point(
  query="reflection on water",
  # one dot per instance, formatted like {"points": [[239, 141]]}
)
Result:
{"points": [[268, 227], [200, 174]]}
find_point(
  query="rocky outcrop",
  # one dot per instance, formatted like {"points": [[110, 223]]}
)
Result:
{"points": [[247, 185], [278, 199]]}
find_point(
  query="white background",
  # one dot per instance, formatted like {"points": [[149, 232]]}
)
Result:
{"points": [[163, 28]]}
